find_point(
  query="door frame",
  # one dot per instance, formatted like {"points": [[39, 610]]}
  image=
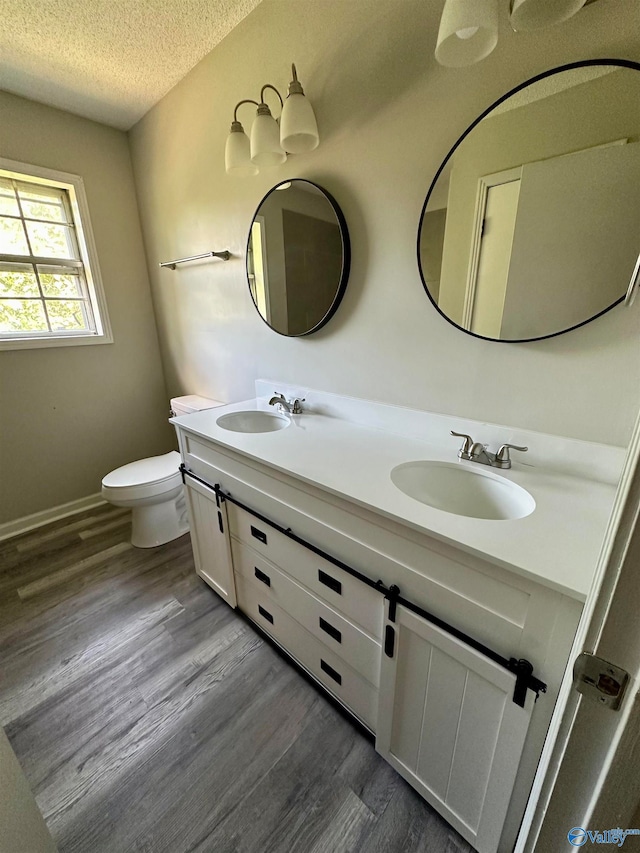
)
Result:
{"points": [[563, 740], [485, 183], [260, 221]]}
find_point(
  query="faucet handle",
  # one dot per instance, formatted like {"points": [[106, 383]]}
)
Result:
{"points": [[502, 456], [297, 406], [467, 444]]}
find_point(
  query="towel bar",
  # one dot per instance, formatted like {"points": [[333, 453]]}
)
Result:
{"points": [[172, 264]]}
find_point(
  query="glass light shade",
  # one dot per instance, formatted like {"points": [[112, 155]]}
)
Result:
{"points": [[529, 14], [237, 154], [298, 126], [468, 32], [265, 141]]}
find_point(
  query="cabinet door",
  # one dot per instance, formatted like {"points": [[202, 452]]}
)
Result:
{"points": [[210, 539], [447, 723]]}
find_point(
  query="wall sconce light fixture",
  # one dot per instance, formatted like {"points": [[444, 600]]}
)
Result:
{"points": [[270, 142], [469, 28]]}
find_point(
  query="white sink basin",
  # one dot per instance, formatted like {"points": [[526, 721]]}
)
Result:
{"points": [[461, 490], [252, 421]]}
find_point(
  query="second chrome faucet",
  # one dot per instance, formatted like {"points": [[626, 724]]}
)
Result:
{"points": [[475, 451]]}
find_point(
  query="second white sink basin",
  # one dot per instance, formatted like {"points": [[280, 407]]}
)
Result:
{"points": [[252, 421], [460, 490]]}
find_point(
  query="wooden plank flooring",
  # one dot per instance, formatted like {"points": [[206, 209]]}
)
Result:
{"points": [[148, 716]]}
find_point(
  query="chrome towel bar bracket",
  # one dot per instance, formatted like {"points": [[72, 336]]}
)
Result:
{"points": [[172, 264]]}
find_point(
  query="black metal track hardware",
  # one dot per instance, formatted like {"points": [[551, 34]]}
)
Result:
{"points": [[393, 596], [521, 668], [286, 531]]}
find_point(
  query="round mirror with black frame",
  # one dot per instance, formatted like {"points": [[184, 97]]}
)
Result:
{"points": [[531, 226], [298, 257]]}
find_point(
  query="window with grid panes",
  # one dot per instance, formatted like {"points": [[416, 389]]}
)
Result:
{"points": [[47, 285]]}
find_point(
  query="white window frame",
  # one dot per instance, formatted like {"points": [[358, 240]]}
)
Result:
{"points": [[74, 186]]}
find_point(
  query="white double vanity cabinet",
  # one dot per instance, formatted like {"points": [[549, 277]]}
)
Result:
{"points": [[439, 630]]}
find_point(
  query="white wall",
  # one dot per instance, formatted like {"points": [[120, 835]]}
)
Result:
{"points": [[69, 415], [387, 115]]}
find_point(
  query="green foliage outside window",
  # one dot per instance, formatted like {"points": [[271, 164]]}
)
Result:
{"points": [[38, 293]]}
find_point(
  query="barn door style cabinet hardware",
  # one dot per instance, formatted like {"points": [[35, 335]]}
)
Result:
{"points": [[522, 668], [172, 264]]}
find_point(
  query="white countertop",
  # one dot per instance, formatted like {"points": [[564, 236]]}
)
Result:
{"points": [[556, 545]]}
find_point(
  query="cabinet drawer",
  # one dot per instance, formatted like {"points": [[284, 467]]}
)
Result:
{"points": [[341, 591], [339, 679], [347, 640]]}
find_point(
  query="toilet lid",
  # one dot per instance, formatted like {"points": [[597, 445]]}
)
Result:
{"points": [[144, 472]]}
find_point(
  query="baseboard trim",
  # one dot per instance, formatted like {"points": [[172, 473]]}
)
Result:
{"points": [[22, 525]]}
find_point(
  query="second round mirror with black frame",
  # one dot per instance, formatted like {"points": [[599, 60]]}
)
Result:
{"points": [[531, 226], [298, 257]]}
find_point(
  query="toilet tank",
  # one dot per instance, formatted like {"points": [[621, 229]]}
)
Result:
{"points": [[192, 403]]}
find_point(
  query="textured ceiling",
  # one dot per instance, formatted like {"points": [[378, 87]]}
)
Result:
{"points": [[108, 60], [549, 86]]}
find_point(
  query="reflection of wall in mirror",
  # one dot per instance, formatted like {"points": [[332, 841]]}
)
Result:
{"points": [[302, 199], [580, 215], [313, 263], [589, 114], [431, 247]]}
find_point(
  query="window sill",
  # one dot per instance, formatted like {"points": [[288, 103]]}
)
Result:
{"points": [[39, 343]]}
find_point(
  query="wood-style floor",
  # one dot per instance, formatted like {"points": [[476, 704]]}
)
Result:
{"points": [[148, 716]]}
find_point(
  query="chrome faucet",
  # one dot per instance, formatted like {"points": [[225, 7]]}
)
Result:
{"points": [[475, 451], [292, 407]]}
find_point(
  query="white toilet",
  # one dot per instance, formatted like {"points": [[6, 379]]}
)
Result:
{"points": [[153, 488]]}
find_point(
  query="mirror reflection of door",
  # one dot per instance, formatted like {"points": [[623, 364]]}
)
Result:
{"points": [[489, 270], [257, 268]]}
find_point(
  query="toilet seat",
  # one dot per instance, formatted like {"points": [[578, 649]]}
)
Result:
{"points": [[145, 478]]}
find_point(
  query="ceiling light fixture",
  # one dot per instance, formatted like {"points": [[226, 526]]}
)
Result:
{"points": [[270, 141], [530, 14], [469, 28], [468, 32]]}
